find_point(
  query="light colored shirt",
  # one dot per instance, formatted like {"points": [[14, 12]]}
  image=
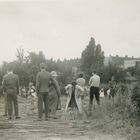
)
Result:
{"points": [[81, 82], [94, 81]]}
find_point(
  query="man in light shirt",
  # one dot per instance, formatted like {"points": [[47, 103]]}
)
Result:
{"points": [[94, 83]]}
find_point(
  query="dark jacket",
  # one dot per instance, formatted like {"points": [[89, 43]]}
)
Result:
{"points": [[11, 83], [43, 81]]}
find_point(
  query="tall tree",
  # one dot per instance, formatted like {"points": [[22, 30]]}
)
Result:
{"points": [[92, 57]]}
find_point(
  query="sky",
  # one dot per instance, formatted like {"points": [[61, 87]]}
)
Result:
{"points": [[63, 28]]}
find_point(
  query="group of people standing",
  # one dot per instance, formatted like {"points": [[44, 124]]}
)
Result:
{"points": [[49, 94], [76, 91], [47, 89]]}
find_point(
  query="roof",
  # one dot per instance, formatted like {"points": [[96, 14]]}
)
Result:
{"points": [[131, 78], [117, 60]]}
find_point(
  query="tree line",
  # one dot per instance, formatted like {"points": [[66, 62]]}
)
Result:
{"points": [[92, 57]]}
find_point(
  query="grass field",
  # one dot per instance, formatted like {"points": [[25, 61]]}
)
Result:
{"points": [[111, 121]]}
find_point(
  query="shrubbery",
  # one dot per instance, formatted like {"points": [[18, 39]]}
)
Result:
{"points": [[116, 116], [136, 97]]}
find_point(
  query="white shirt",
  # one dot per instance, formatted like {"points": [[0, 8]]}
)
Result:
{"points": [[94, 81]]}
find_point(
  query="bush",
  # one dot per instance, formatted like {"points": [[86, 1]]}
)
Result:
{"points": [[136, 97], [116, 116]]}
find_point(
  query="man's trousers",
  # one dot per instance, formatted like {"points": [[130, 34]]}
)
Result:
{"points": [[43, 98], [94, 91], [5, 104], [12, 101]]}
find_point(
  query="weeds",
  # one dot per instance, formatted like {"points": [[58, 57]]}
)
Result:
{"points": [[118, 116]]}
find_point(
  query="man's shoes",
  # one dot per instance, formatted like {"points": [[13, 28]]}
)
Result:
{"points": [[39, 119], [9, 118], [5, 115], [46, 119], [17, 117], [53, 117]]}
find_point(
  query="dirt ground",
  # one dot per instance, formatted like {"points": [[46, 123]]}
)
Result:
{"points": [[28, 128]]}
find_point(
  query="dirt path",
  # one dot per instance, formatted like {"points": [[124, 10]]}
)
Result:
{"points": [[28, 128]]}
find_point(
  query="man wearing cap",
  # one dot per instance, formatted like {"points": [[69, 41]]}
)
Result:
{"points": [[54, 96], [42, 88]]}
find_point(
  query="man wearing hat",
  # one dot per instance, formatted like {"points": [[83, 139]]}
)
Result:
{"points": [[42, 88], [54, 96]]}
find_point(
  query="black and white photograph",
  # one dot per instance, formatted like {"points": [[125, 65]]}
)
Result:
{"points": [[69, 69]]}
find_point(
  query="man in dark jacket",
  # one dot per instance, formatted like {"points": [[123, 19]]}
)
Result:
{"points": [[42, 87], [11, 88]]}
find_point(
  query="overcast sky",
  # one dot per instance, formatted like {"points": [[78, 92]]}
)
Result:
{"points": [[63, 28]]}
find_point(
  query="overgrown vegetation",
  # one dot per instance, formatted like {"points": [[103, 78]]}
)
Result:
{"points": [[115, 117]]}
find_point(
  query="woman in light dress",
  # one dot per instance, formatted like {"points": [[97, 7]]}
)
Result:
{"points": [[74, 94]]}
